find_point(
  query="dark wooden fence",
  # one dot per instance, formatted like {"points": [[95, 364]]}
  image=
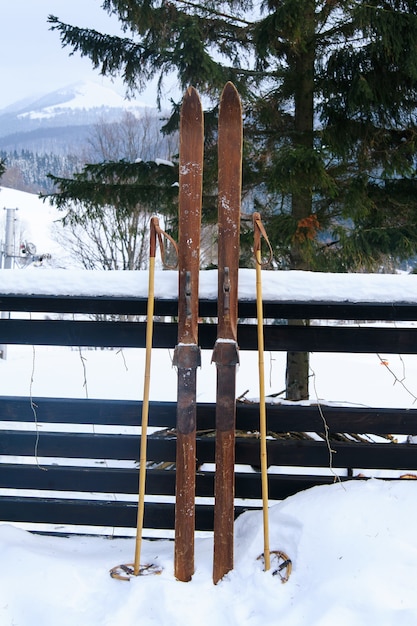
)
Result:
{"points": [[89, 479]]}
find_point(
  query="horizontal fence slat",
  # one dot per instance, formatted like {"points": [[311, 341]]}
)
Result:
{"points": [[67, 478], [70, 445], [99, 513], [161, 448], [103, 305], [85, 512], [158, 481], [345, 455], [280, 417], [114, 305], [277, 337], [80, 333], [340, 339], [86, 411], [69, 410]]}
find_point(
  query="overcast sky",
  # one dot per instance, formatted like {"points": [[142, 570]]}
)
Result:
{"points": [[31, 58]]}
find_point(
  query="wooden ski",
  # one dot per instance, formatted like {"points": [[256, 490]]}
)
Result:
{"points": [[225, 354], [187, 353]]}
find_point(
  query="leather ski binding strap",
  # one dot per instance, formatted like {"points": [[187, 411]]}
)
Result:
{"points": [[157, 231], [259, 232], [188, 310], [225, 353], [226, 291], [187, 356]]}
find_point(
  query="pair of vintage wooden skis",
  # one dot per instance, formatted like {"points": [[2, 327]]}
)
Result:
{"points": [[187, 352]]}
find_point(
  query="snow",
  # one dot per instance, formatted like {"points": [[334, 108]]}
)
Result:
{"points": [[353, 546], [353, 549], [34, 220], [276, 286], [164, 162]]}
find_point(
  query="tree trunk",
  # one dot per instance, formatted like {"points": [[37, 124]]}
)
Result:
{"points": [[301, 201], [296, 379]]}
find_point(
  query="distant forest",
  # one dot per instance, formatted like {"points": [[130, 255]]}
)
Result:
{"points": [[27, 170]]}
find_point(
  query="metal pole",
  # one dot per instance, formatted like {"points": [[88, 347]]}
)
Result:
{"points": [[9, 246], [8, 255]]}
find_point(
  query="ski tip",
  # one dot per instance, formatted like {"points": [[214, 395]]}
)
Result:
{"points": [[230, 102], [230, 91], [190, 91], [191, 94], [191, 105]]}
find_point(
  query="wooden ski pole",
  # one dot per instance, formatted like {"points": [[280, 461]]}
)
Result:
{"points": [[124, 572], [259, 231], [146, 388]]}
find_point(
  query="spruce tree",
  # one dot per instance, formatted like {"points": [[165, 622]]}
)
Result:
{"points": [[329, 90], [120, 184]]}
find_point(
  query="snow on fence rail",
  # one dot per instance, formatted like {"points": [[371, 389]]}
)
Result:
{"points": [[292, 286], [72, 474]]}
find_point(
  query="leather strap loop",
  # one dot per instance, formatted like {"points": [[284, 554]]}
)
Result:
{"points": [[158, 233], [259, 232]]}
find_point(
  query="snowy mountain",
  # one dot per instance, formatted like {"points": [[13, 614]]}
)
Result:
{"points": [[59, 120], [81, 97]]}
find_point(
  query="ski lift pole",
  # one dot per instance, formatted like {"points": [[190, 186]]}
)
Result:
{"points": [[125, 572], [259, 232]]}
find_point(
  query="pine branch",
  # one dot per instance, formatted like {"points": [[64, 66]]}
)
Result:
{"points": [[119, 184], [212, 11]]}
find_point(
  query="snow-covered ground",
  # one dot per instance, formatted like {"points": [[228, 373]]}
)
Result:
{"points": [[353, 549], [353, 546]]}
